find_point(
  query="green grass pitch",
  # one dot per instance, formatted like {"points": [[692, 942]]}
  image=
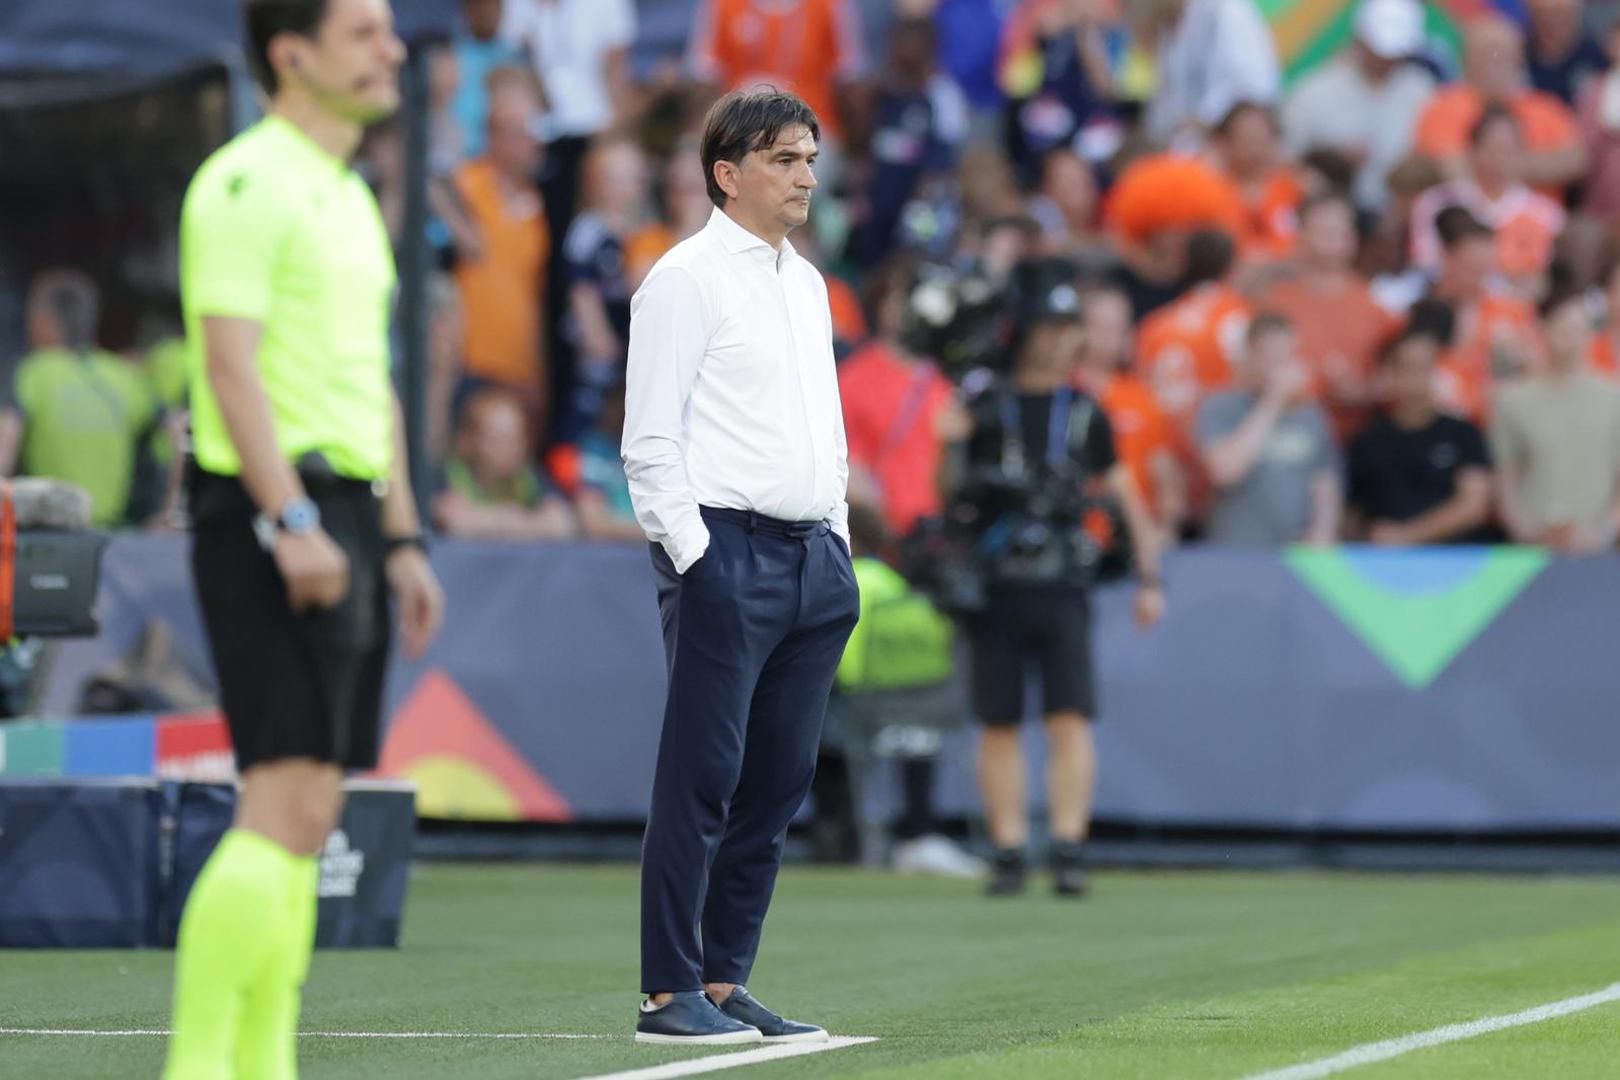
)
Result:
{"points": [[1161, 975]]}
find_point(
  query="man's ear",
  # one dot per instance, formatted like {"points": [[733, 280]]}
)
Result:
{"points": [[728, 175]]}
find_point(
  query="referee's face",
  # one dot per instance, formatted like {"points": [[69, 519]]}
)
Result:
{"points": [[353, 69]]}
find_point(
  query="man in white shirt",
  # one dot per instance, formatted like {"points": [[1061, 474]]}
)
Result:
{"points": [[1365, 103], [1217, 54], [735, 455]]}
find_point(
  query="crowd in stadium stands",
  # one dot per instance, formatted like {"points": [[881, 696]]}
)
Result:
{"points": [[1376, 301]]}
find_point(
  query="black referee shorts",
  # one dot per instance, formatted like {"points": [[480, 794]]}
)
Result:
{"points": [[293, 685], [1047, 627]]}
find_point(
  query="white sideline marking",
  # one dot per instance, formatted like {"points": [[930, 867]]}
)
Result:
{"points": [[316, 1034], [1368, 1053], [716, 1062]]}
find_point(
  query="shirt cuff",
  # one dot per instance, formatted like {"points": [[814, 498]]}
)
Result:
{"points": [[687, 549]]}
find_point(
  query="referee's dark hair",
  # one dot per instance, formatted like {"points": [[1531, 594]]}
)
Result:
{"points": [[747, 120], [267, 18]]}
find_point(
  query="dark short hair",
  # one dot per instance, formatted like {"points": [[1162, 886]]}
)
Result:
{"points": [[1210, 254], [1431, 317], [1242, 108], [1457, 225], [1412, 331], [744, 121], [268, 18], [1339, 169], [1269, 322]]}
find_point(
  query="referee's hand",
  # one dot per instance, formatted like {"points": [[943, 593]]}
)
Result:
{"points": [[418, 598], [315, 569]]}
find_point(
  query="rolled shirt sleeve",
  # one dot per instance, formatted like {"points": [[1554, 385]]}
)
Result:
{"points": [[669, 333]]}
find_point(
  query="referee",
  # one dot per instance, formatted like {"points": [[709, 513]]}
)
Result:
{"points": [[304, 522]]}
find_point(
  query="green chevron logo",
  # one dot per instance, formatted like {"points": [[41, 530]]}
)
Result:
{"points": [[1417, 610]]}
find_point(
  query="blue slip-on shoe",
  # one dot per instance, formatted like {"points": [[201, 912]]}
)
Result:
{"points": [[691, 1019], [745, 1008]]}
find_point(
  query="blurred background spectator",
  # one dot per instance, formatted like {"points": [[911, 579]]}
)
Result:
{"points": [[1366, 101], [1417, 476], [1268, 449], [1556, 441], [492, 492], [76, 412]]}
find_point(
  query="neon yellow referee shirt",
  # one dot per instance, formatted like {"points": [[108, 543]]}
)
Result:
{"points": [[277, 230]]}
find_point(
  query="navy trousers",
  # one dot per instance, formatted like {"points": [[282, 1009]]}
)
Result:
{"points": [[753, 633]]}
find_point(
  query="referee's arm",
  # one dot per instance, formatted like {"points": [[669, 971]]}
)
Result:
{"points": [[314, 567]]}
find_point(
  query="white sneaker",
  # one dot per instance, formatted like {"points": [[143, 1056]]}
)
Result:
{"points": [[934, 854]]}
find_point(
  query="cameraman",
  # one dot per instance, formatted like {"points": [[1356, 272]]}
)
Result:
{"points": [[1028, 454]]}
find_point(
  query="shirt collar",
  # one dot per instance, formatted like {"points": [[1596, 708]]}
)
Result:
{"points": [[738, 239], [305, 148]]}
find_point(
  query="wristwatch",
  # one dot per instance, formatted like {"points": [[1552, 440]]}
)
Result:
{"points": [[299, 516]]}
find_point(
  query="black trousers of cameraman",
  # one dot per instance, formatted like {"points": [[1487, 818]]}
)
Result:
{"points": [[1046, 627]]}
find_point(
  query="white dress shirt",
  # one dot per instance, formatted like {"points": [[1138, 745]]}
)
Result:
{"points": [[732, 396]]}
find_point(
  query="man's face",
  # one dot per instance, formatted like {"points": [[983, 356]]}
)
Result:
{"points": [[773, 184], [1470, 264], [1269, 354], [1328, 236], [1069, 184], [1053, 347], [1108, 327], [1556, 20], [1251, 142], [482, 17], [500, 442], [513, 146], [1411, 373], [1568, 328], [620, 178], [1497, 156], [351, 65], [1495, 58]]}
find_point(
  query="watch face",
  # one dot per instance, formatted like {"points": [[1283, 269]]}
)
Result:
{"points": [[300, 516]]}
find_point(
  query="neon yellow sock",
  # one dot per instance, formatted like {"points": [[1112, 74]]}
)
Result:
{"points": [[267, 1048], [234, 925]]}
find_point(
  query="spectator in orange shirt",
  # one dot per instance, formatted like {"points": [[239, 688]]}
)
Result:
{"points": [[501, 251], [1493, 337], [1340, 325], [892, 400], [1248, 148], [1142, 433], [1526, 222], [814, 48], [1190, 348], [1495, 74], [1154, 207]]}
